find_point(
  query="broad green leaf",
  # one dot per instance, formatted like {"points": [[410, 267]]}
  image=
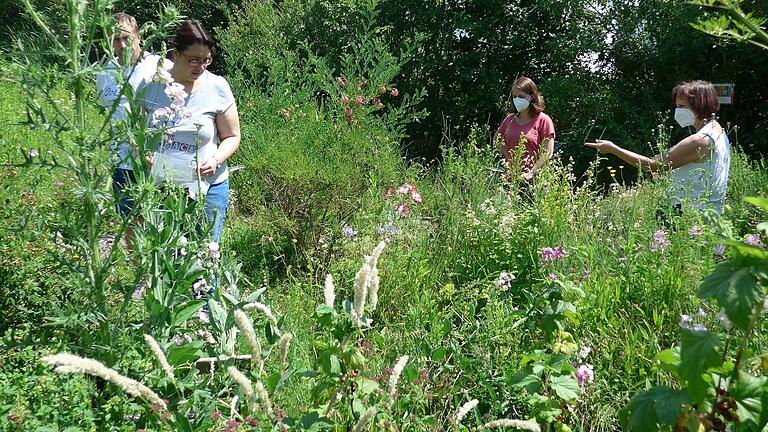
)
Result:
{"points": [[526, 379], [698, 352], [183, 354], [736, 290], [669, 360], [439, 354], [367, 386], [186, 312], [759, 202], [565, 386], [748, 393], [659, 404]]}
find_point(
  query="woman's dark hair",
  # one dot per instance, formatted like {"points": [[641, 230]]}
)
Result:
{"points": [[701, 97], [527, 86], [191, 32]]}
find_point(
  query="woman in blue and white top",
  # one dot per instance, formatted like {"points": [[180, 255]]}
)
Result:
{"points": [[699, 163], [204, 112]]}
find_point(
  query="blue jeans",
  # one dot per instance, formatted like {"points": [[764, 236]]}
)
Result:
{"points": [[216, 203], [121, 180]]}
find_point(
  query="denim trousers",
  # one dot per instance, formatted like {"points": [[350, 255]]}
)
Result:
{"points": [[216, 203]]}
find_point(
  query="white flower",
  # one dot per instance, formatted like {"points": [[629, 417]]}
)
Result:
{"points": [[246, 327], [162, 76], [68, 363], [245, 386], [329, 291], [285, 343], [584, 352], [264, 396], [396, 371], [364, 420], [175, 91], [464, 409], [509, 423], [158, 352], [267, 311]]}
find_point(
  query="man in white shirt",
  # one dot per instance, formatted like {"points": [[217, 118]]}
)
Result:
{"points": [[130, 66]]}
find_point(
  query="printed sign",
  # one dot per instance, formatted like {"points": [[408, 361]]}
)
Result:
{"points": [[724, 93]]}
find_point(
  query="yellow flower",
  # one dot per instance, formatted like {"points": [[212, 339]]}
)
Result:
{"points": [[621, 166]]}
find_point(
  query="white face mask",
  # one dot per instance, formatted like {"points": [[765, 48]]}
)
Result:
{"points": [[520, 103], [685, 117]]}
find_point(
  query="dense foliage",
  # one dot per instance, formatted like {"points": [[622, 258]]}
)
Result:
{"points": [[357, 290]]}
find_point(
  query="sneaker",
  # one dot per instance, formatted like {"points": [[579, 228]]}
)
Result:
{"points": [[138, 291]]}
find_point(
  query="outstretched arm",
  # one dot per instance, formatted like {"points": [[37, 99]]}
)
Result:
{"points": [[694, 148]]}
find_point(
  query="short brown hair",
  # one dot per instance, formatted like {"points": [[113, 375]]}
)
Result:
{"points": [[191, 32], [126, 22], [701, 97], [527, 86]]}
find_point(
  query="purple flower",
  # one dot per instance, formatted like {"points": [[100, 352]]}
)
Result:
{"points": [[586, 274], [34, 153], [552, 253], [348, 232], [585, 374], [552, 276], [660, 241], [685, 321], [753, 240], [696, 231], [699, 328], [724, 320], [701, 313], [59, 183], [719, 250], [387, 228]]}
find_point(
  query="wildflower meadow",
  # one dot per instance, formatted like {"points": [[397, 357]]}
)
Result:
{"points": [[359, 286]]}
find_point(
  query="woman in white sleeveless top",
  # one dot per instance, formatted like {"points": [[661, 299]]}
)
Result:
{"points": [[699, 163]]}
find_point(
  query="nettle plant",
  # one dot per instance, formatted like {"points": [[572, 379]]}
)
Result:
{"points": [[555, 375], [721, 382]]}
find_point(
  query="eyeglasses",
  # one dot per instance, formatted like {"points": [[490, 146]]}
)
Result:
{"points": [[194, 61]]}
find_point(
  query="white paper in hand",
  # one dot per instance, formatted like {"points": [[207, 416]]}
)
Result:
{"points": [[178, 170]]}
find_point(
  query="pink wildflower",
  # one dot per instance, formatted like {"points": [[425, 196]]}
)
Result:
{"points": [[552, 253], [416, 196], [753, 240], [382, 90], [342, 81], [406, 188], [585, 374], [388, 193], [344, 99], [403, 210], [660, 241], [215, 415], [394, 92]]}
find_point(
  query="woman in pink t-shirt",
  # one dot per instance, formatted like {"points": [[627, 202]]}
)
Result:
{"points": [[529, 126]]}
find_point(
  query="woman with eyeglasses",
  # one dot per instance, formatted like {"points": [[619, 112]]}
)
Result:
{"points": [[202, 122]]}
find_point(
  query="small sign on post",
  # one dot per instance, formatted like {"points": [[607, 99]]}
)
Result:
{"points": [[724, 93]]}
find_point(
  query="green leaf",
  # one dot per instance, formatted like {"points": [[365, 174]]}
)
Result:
{"points": [[272, 381], [748, 393], [367, 387], [759, 202], [669, 360], [186, 312], [526, 379], [439, 354], [565, 386], [736, 290], [698, 352], [658, 405], [183, 354]]}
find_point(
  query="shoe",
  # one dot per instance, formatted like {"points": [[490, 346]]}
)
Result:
{"points": [[138, 291]]}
